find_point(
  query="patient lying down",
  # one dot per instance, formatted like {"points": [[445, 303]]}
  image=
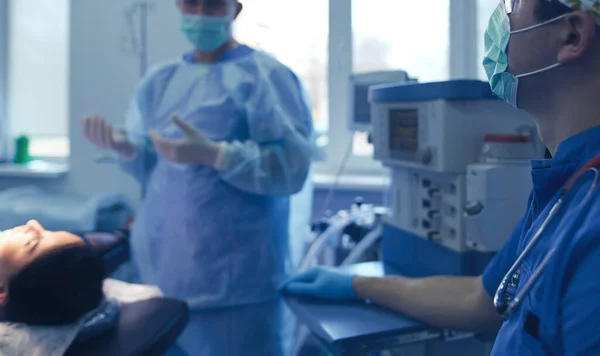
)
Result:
{"points": [[46, 277]]}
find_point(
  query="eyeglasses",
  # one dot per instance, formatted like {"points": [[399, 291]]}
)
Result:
{"points": [[210, 4], [510, 5]]}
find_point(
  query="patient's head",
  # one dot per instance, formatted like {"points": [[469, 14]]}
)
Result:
{"points": [[47, 278]]}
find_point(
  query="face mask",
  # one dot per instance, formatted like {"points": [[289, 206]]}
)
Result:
{"points": [[495, 62], [206, 33]]}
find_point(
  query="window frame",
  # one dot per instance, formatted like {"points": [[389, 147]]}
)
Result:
{"points": [[4, 119], [6, 129], [463, 63]]}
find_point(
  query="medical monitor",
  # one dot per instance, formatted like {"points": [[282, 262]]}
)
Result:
{"points": [[360, 108]]}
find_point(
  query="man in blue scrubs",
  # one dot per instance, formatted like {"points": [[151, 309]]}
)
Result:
{"points": [[542, 56]]}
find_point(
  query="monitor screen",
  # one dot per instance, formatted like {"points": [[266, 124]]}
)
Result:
{"points": [[362, 107], [404, 130], [359, 118]]}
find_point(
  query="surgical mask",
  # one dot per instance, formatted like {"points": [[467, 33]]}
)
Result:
{"points": [[206, 33], [505, 85]]}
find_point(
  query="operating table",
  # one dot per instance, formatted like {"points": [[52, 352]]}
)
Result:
{"points": [[145, 328]]}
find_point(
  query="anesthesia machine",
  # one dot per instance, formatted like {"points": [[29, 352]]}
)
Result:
{"points": [[460, 178], [460, 172]]}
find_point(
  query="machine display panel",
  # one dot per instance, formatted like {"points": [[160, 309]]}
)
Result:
{"points": [[362, 106], [404, 130]]}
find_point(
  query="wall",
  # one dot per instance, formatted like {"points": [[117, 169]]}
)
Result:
{"points": [[102, 78], [38, 67], [4, 126]]}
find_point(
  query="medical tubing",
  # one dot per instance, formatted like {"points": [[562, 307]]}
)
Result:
{"points": [[336, 180], [317, 246], [362, 246]]}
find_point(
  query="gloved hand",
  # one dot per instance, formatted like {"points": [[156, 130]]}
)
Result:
{"points": [[194, 148], [322, 283], [103, 135]]}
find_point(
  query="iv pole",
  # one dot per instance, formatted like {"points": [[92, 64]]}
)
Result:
{"points": [[137, 44], [143, 38], [140, 45]]}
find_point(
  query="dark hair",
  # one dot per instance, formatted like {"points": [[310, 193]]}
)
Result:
{"points": [[57, 288], [548, 10]]}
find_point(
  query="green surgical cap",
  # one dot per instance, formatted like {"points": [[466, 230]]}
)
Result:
{"points": [[590, 6]]}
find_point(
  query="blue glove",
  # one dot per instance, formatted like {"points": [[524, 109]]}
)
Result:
{"points": [[321, 283]]}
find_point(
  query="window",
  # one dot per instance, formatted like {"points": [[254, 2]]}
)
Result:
{"points": [[3, 75], [386, 40], [38, 74], [322, 41], [485, 8], [281, 28], [392, 38]]}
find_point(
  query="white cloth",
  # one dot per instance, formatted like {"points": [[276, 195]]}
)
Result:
{"points": [[24, 340], [126, 293]]}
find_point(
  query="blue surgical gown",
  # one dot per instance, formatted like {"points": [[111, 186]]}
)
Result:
{"points": [[560, 314], [219, 239], [216, 238]]}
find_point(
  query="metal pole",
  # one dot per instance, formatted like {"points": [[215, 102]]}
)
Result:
{"points": [[143, 38], [5, 135], [143, 53]]}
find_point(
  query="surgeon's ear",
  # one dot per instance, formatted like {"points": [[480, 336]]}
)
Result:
{"points": [[577, 36], [3, 295], [238, 9]]}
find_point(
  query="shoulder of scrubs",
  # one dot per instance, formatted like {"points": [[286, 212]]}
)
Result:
{"points": [[579, 261], [155, 83], [276, 158], [152, 87], [504, 259], [279, 85]]}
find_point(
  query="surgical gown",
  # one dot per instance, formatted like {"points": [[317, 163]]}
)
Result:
{"points": [[219, 239], [559, 316]]}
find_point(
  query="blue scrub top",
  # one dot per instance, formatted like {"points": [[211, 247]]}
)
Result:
{"points": [[561, 313]]}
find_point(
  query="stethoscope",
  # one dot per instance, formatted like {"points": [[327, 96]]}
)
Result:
{"points": [[506, 305]]}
